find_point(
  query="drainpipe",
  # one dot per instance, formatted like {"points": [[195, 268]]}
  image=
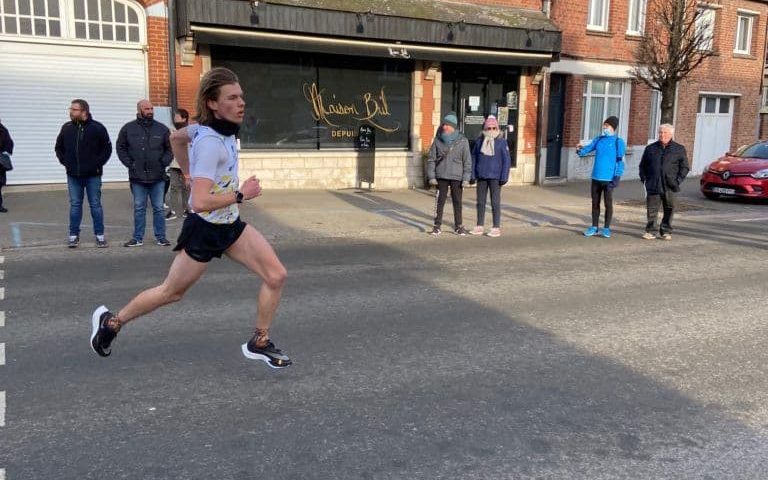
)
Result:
{"points": [[172, 56], [547, 7]]}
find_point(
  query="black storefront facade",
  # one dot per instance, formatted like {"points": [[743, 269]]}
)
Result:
{"points": [[314, 75]]}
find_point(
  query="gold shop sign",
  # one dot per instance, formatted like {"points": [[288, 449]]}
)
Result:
{"points": [[370, 108]]}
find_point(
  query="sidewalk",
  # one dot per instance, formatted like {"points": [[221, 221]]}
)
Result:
{"points": [[38, 215]]}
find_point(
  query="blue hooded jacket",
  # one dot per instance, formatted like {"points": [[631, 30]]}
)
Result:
{"points": [[609, 155]]}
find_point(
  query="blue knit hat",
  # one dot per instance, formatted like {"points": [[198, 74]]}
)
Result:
{"points": [[451, 119]]}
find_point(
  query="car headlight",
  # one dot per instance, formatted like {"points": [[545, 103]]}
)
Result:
{"points": [[761, 174]]}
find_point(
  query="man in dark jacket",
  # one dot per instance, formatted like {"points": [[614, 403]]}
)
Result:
{"points": [[83, 147], [144, 147], [449, 165], [6, 147], [663, 168]]}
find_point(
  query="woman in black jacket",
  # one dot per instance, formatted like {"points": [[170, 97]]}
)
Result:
{"points": [[6, 146]]}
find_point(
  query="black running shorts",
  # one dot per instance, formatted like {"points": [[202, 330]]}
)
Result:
{"points": [[204, 240]]}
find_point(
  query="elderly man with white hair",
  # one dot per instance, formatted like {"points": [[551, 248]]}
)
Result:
{"points": [[663, 168]]}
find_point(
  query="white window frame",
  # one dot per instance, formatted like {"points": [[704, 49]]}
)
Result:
{"points": [[32, 17], [750, 19], [623, 96], [67, 22], [636, 17], [603, 26], [706, 15]]}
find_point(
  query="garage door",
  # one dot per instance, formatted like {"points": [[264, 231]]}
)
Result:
{"points": [[40, 77], [713, 131]]}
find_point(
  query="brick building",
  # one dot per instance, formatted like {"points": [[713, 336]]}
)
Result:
{"points": [[552, 70], [717, 107], [315, 71]]}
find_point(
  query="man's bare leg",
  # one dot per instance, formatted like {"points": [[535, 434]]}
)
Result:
{"points": [[184, 272], [254, 252]]}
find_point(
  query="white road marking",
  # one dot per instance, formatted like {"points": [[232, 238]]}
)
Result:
{"points": [[2, 259], [2, 293], [2, 474], [2, 354], [2, 274], [2, 409], [2, 319], [759, 219]]}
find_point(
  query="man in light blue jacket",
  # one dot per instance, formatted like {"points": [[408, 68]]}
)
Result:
{"points": [[609, 151]]}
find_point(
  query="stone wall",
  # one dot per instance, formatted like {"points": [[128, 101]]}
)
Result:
{"points": [[332, 169]]}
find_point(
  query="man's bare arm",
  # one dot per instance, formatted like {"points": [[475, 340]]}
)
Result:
{"points": [[180, 147]]}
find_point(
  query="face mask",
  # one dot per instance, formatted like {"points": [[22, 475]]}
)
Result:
{"points": [[607, 132]]}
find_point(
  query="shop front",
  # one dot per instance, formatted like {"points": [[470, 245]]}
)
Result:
{"points": [[314, 78]]}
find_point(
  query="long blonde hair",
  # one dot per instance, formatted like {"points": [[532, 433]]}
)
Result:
{"points": [[210, 88]]}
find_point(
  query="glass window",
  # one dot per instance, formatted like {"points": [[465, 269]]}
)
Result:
{"points": [[725, 105], [120, 13], [106, 20], [24, 7], [636, 16], [79, 9], [53, 8], [9, 6], [10, 25], [744, 34], [655, 115], [598, 15], [93, 10], [602, 98], [705, 27], [710, 105], [106, 10], [308, 101], [40, 27], [80, 30], [54, 28], [25, 26], [39, 8], [756, 150]]}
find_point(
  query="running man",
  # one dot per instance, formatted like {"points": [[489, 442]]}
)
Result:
{"points": [[215, 228]]}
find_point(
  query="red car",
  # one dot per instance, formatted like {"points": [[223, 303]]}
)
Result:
{"points": [[743, 173]]}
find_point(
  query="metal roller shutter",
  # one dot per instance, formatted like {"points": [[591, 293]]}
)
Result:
{"points": [[37, 84]]}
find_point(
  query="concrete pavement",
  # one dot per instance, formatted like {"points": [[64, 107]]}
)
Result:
{"points": [[38, 215]]}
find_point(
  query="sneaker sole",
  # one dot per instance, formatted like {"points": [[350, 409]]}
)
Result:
{"points": [[257, 356], [95, 324]]}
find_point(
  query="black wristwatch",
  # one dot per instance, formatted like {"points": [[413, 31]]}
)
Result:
{"points": [[238, 196]]}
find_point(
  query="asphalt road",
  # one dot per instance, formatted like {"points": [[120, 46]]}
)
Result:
{"points": [[541, 354]]}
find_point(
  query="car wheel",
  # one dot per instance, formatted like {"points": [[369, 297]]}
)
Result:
{"points": [[711, 196]]}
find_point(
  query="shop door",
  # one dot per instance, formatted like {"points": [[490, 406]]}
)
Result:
{"points": [[556, 115], [477, 101], [475, 97]]}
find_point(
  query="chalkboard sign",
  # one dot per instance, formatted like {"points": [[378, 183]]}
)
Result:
{"points": [[366, 137]]}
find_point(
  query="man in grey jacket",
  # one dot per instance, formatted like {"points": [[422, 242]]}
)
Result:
{"points": [[144, 147], [449, 165]]}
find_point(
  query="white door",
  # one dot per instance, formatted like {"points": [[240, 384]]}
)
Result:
{"points": [[37, 84], [713, 131]]}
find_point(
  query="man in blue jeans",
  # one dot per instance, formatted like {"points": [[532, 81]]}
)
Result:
{"points": [[144, 147], [83, 147]]}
